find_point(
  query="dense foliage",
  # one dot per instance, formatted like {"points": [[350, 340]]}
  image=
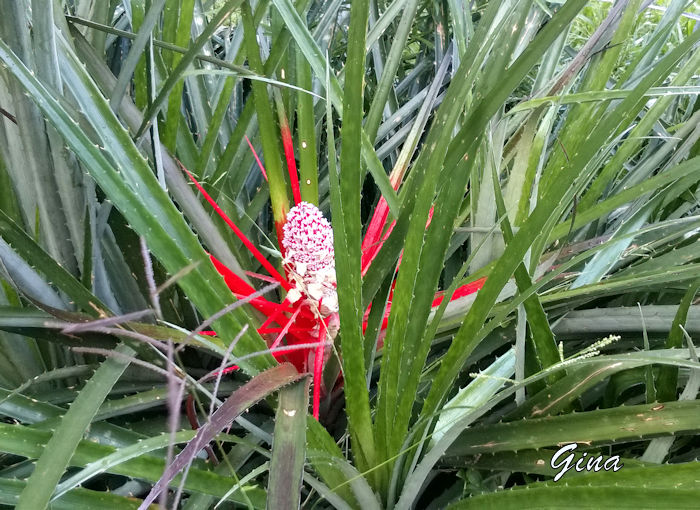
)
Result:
{"points": [[513, 193]]}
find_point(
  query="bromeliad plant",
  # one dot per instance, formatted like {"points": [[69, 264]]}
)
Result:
{"points": [[309, 312], [538, 161]]}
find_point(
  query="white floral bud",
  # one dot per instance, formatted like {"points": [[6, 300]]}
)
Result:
{"points": [[293, 295]]}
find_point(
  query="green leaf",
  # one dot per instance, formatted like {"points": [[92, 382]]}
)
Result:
{"points": [[530, 461], [26, 281], [80, 499], [33, 151], [66, 170], [475, 394], [268, 129], [583, 497], [541, 336], [655, 183], [30, 442], [601, 95], [288, 447], [667, 379], [348, 241], [640, 281], [135, 52], [57, 454], [36, 256], [177, 27], [560, 395], [604, 426], [306, 143], [121, 456], [321, 451]]}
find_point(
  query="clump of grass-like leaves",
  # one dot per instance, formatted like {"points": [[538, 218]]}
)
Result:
{"points": [[513, 193]]}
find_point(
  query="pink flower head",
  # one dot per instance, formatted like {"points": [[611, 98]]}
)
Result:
{"points": [[309, 256], [308, 238]]}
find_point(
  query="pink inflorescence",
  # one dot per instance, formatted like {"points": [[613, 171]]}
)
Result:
{"points": [[308, 238]]}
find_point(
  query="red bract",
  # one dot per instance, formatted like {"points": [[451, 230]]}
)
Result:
{"points": [[309, 312]]}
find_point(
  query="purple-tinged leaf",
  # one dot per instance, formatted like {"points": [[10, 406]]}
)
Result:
{"points": [[253, 391]]}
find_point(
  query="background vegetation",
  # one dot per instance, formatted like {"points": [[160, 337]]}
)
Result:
{"points": [[554, 145]]}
